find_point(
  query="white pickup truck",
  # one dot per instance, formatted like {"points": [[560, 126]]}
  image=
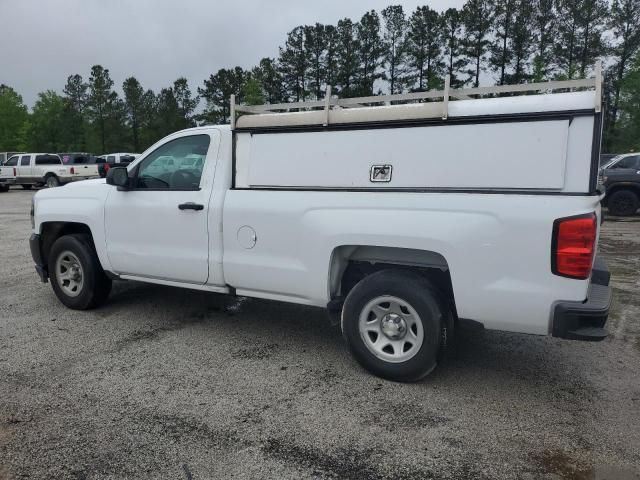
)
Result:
{"points": [[402, 219], [7, 177], [48, 169]]}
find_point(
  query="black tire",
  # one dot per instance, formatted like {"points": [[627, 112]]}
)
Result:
{"points": [[4, 188], [27, 187], [623, 203], [96, 285], [420, 294], [52, 181]]}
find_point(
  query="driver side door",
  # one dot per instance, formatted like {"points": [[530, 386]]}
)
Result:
{"points": [[158, 228]]}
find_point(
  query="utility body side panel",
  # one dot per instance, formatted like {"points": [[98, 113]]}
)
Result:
{"points": [[497, 247]]}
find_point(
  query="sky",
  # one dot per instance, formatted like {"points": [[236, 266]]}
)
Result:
{"points": [[44, 41]]}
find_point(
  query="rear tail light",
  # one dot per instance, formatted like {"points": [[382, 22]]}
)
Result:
{"points": [[106, 167], [15, 174], [73, 170], [573, 246]]}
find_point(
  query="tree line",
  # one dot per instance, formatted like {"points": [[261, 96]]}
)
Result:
{"points": [[393, 51]]}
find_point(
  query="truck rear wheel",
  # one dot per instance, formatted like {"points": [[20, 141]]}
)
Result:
{"points": [[76, 276], [623, 203], [4, 188], [52, 181], [392, 322]]}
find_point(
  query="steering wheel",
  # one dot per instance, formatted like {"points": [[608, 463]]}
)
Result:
{"points": [[184, 179]]}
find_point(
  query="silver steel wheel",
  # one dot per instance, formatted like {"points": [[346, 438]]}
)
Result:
{"points": [[391, 329], [69, 274]]}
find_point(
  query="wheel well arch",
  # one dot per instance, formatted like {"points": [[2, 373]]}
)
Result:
{"points": [[632, 187], [351, 263], [51, 231]]}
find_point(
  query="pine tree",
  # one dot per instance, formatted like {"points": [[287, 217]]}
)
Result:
{"points": [[424, 46], [330, 64], [267, 73], [314, 45], [217, 93], [593, 17], [294, 65], [102, 103], [134, 101], [500, 48], [544, 25], [370, 50], [522, 42], [187, 103], [476, 17], [453, 48], [394, 47], [74, 123], [167, 113], [347, 58]]}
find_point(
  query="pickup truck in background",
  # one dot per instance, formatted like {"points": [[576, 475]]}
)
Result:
{"points": [[7, 177], [105, 162], [402, 217], [48, 169], [4, 156], [621, 179]]}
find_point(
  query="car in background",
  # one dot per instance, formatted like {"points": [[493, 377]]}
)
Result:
{"points": [[621, 178], [37, 169], [5, 156], [105, 162]]}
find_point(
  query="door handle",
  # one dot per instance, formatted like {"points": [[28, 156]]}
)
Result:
{"points": [[191, 206]]}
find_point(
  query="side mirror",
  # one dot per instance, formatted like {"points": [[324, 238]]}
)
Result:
{"points": [[119, 177]]}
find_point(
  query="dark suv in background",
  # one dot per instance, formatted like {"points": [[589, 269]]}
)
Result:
{"points": [[621, 177]]}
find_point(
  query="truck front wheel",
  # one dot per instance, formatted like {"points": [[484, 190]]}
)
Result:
{"points": [[76, 276], [623, 203], [392, 322]]}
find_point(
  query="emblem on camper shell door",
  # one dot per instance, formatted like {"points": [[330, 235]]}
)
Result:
{"points": [[380, 173]]}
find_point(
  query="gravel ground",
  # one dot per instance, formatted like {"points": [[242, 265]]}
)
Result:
{"points": [[171, 383]]}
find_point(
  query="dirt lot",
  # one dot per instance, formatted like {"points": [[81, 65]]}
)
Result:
{"points": [[169, 383]]}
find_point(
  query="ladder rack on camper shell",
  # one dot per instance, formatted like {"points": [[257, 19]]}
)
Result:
{"points": [[333, 110]]}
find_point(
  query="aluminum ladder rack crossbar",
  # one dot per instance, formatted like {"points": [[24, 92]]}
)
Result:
{"points": [[324, 107]]}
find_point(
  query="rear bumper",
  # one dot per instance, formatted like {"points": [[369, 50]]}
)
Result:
{"points": [[7, 181], [36, 254], [585, 320]]}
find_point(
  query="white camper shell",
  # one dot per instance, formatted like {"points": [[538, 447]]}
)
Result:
{"points": [[536, 143]]}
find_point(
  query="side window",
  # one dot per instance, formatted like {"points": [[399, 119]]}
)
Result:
{"points": [[12, 162], [174, 165], [24, 161], [111, 159], [628, 162], [48, 160]]}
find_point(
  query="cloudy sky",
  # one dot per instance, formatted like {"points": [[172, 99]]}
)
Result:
{"points": [[44, 41]]}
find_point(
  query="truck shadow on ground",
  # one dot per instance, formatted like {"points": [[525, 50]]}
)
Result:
{"points": [[488, 357]]}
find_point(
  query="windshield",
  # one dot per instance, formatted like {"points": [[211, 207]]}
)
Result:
{"points": [[612, 161]]}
